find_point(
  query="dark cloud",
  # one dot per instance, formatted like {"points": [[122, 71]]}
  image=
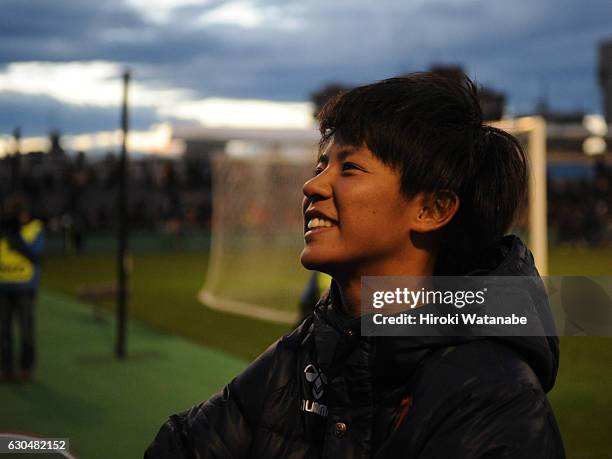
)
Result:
{"points": [[39, 115], [56, 31], [524, 48], [71, 30], [516, 47]]}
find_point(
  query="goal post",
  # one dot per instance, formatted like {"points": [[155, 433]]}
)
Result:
{"points": [[531, 131]]}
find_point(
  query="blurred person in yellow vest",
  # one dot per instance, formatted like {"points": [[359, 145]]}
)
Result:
{"points": [[21, 247]]}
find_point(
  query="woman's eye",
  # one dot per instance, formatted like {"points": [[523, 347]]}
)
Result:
{"points": [[349, 166], [317, 171]]}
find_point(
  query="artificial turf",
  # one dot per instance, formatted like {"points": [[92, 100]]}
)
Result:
{"points": [[164, 286], [108, 408]]}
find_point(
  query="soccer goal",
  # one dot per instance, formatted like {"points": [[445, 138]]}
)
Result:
{"points": [[257, 229], [257, 235]]}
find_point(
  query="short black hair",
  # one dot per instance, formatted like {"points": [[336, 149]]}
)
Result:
{"points": [[430, 128]]}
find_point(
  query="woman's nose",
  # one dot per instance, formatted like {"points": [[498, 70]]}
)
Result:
{"points": [[318, 186]]}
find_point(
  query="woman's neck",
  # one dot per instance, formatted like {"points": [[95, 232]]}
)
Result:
{"points": [[349, 285]]}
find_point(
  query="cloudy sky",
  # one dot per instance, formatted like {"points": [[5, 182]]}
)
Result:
{"points": [[256, 62]]}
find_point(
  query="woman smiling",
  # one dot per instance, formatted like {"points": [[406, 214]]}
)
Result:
{"points": [[409, 182]]}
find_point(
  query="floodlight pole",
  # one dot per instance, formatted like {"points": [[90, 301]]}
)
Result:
{"points": [[122, 259], [15, 163]]}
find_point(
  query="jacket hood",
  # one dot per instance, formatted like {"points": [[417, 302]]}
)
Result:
{"points": [[397, 357], [540, 352]]}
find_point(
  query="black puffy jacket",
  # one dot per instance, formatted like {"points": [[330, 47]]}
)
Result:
{"points": [[325, 391]]}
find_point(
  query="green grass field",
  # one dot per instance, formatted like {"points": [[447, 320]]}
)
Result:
{"points": [[181, 352], [164, 288]]}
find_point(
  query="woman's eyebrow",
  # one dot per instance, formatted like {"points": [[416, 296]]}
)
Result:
{"points": [[344, 153]]}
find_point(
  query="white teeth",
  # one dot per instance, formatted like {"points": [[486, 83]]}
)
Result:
{"points": [[319, 223]]}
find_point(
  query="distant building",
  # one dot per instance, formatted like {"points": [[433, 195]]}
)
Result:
{"points": [[605, 77], [565, 132]]}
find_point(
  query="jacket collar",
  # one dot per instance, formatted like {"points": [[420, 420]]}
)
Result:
{"points": [[392, 359]]}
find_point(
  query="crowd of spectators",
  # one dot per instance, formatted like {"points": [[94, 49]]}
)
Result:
{"points": [[80, 194], [580, 208]]}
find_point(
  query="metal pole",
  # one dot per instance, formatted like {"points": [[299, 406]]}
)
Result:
{"points": [[122, 267], [15, 163]]}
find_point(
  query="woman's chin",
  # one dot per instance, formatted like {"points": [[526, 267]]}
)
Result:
{"points": [[312, 260], [308, 262]]}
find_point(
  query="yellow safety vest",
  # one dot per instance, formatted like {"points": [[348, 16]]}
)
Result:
{"points": [[15, 267], [323, 282]]}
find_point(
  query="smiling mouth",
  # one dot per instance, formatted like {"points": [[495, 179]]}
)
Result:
{"points": [[315, 224]]}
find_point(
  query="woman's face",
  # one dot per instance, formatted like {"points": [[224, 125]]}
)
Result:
{"points": [[355, 217]]}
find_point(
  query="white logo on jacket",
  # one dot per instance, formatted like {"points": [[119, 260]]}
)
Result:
{"points": [[317, 380]]}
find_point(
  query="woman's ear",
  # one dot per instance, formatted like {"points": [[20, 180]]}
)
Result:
{"points": [[435, 210]]}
